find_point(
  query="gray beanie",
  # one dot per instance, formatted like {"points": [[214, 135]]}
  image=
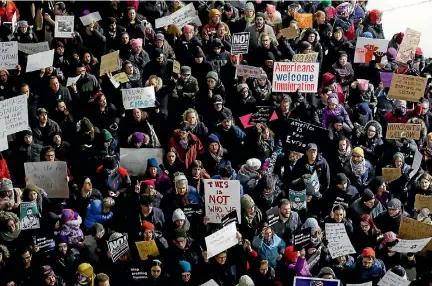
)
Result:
{"points": [[212, 75], [394, 204], [326, 271], [249, 6], [241, 86], [399, 155], [185, 70]]}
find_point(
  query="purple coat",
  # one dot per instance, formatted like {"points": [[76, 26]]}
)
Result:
{"points": [[330, 115]]}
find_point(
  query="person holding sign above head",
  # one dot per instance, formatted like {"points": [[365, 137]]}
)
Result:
{"points": [[24, 33], [400, 113], [392, 258]]}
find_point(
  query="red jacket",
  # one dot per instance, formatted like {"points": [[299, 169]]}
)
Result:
{"points": [[188, 156], [6, 13], [390, 117], [4, 170]]}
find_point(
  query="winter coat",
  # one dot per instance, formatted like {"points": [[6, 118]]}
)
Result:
{"points": [[283, 229], [376, 29], [79, 203], [71, 229], [185, 92], [330, 115], [344, 74], [231, 140], [369, 144], [261, 93], [321, 167], [254, 40], [190, 154], [162, 182], [95, 214], [358, 208], [269, 251], [118, 180], [335, 196], [387, 223], [139, 60], [41, 136], [361, 275], [185, 50], [390, 117]]}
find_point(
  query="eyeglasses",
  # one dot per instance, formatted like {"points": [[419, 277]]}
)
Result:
{"points": [[364, 225]]}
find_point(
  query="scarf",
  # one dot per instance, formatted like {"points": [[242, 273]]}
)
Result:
{"points": [[218, 155], [358, 169], [249, 19], [11, 236], [344, 155]]}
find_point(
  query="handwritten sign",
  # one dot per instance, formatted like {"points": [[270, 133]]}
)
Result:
{"points": [[305, 58], [368, 49], [289, 33], [181, 17], [410, 42], [422, 202], [109, 63], [407, 87], [90, 18], [221, 240], [50, 176], [240, 43], [339, 242], [8, 55], [221, 197], [299, 134], [135, 160], [39, 61], [386, 78], [121, 77], [413, 229], [3, 135], [415, 245], [146, 248], [292, 77], [72, 80], [64, 26], [263, 114], [33, 48], [118, 247], [250, 71], [304, 20], [306, 281], [391, 174], [403, 130], [391, 279], [140, 97], [15, 113], [29, 215], [302, 238], [176, 67]]}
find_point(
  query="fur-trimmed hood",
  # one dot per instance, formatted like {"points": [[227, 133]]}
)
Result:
{"points": [[5, 234], [159, 84], [377, 126]]}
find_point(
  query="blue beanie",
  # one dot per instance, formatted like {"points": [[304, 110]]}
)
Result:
{"points": [[213, 138], [367, 35], [152, 162], [185, 266]]}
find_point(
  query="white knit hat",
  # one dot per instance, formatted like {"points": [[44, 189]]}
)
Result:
{"points": [[180, 180], [178, 214], [246, 281], [253, 164]]}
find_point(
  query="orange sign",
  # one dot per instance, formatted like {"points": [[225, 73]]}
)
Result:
{"points": [[304, 20]]}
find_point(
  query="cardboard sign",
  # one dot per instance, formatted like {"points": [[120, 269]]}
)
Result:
{"points": [[39, 61], [180, 18], [15, 113], [118, 247], [49, 176], [121, 77], [339, 242], [297, 199], [29, 215], [422, 202], [4, 144], [304, 20], [292, 77], [413, 229], [176, 67], [403, 130], [391, 174], [299, 134], [140, 97], [221, 240], [146, 248], [308, 281], [221, 197], [33, 48], [135, 160], [302, 238], [368, 49], [410, 42], [407, 87], [109, 63], [407, 246], [250, 71], [386, 78], [305, 58], [8, 55], [64, 26], [391, 279], [90, 18], [289, 33], [240, 43]]}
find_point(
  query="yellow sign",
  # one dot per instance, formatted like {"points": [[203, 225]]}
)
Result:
{"points": [[289, 33], [391, 174], [109, 63], [304, 20], [121, 77], [422, 202], [176, 67], [403, 130], [146, 248], [407, 87], [305, 58]]}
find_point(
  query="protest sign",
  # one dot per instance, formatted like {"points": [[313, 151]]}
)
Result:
{"points": [[250, 71], [407, 87], [386, 78], [289, 33], [410, 42], [29, 215], [391, 174], [179, 18], [229, 218], [15, 113], [302, 238], [413, 229], [45, 244], [146, 248], [50, 176], [41, 60], [297, 199], [211, 282], [221, 197], [240, 43], [308, 281], [304, 20], [121, 77], [391, 279], [33, 48], [339, 243], [292, 77], [13, 23], [64, 26], [3, 135], [305, 58], [299, 134], [403, 130], [263, 114], [140, 97], [407, 246], [8, 55], [421, 202], [72, 80], [362, 284], [135, 160], [368, 49], [221, 240], [138, 273], [192, 211], [118, 247], [176, 67], [109, 63], [90, 18]]}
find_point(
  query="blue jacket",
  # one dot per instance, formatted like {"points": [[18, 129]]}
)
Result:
{"points": [[374, 274], [95, 214], [193, 196], [269, 251]]}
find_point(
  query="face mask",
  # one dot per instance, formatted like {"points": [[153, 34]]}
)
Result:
{"points": [[400, 111]]}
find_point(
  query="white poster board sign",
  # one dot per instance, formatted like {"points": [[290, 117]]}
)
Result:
{"points": [[292, 77], [367, 50], [140, 97], [221, 240], [50, 176], [15, 113], [179, 18], [221, 197], [90, 18], [339, 243], [64, 26], [135, 160], [415, 245], [391, 279], [39, 61], [362, 284], [211, 282], [8, 55], [72, 80], [33, 48], [3, 135]]}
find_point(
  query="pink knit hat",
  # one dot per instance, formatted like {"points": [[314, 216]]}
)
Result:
{"points": [[270, 8], [188, 28], [67, 215], [136, 43]]}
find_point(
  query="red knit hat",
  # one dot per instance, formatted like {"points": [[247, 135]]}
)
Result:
{"points": [[419, 52], [374, 15], [290, 255], [368, 252], [147, 225], [328, 78]]}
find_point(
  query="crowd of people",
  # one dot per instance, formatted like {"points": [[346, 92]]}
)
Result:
{"points": [[196, 122]]}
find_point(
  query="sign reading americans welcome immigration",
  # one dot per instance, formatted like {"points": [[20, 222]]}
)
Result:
{"points": [[292, 77]]}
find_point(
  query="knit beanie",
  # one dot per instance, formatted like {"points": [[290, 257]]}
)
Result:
{"points": [[391, 53], [85, 269], [246, 280], [399, 271], [390, 239], [47, 271], [185, 70], [106, 135], [374, 15], [246, 202], [250, 7], [212, 75], [358, 151], [290, 255], [368, 252], [312, 223], [253, 164], [217, 99], [340, 178], [333, 100], [136, 43], [214, 12], [180, 180], [188, 28], [326, 271], [270, 8], [152, 162], [400, 156], [198, 53], [185, 266], [394, 204], [67, 215], [241, 86], [399, 37], [367, 35], [159, 36], [367, 195], [138, 137], [147, 225], [212, 138], [178, 214]]}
